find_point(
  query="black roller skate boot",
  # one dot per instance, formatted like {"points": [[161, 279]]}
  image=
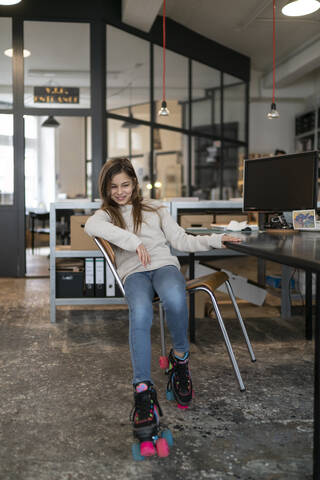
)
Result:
{"points": [[179, 386], [146, 418]]}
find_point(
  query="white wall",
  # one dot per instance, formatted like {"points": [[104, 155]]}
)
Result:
{"points": [[70, 156], [267, 135]]}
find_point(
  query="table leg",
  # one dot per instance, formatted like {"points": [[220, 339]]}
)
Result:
{"points": [[261, 272], [316, 437], [32, 234], [192, 326], [285, 291], [308, 309]]}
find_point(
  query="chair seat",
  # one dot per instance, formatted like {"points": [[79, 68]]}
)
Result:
{"points": [[211, 281]]}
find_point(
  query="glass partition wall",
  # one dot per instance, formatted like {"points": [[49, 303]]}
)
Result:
{"points": [[75, 91], [197, 149], [193, 151]]}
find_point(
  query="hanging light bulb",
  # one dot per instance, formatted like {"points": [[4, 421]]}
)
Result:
{"points": [[273, 111], [164, 111], [298, 8]]}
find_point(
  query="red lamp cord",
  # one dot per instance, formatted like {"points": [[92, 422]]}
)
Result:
{"points": [[274, 51], [164, 51]]}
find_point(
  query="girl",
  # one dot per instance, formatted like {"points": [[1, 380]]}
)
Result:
{"points": [[140, 231]]}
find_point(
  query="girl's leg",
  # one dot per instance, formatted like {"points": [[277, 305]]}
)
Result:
{"points": [[170, 285], [139, 295]]}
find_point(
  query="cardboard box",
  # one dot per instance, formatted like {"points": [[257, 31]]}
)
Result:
{"points": [[187, 221], [80, 240]]}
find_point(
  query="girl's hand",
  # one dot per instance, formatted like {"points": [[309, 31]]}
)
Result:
{"points": [[230, 238], [143, 255]]}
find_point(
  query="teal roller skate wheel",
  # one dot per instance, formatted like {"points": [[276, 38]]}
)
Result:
{"points": [[136, 452], [169, 395], [168, 436]]}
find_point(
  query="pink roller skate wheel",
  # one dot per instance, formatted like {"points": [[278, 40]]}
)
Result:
{"points": [[162, 447], [163, 362], [182, 407], [147, 449]]}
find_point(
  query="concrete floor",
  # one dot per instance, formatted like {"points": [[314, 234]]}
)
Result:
{"points": [[65, 396]]}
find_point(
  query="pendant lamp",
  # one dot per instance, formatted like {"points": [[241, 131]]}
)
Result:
{"points": [[164, 112], [50, 122], [273, 111], [9, 2], [298, 8], [127, 123]]}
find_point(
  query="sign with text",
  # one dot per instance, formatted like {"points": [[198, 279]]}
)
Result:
{"points": [[56, 95]]}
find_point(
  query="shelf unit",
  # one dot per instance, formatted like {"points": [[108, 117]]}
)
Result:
{"points": [[307, 131], [66, 253]]}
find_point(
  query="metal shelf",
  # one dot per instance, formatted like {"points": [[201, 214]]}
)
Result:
{"points": [[90, 301], [77, 253]]}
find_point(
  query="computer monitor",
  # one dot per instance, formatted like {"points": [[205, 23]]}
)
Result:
{"points": [[282, 183]]}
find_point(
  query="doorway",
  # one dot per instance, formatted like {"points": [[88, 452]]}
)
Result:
{"points": [[57, 168]]}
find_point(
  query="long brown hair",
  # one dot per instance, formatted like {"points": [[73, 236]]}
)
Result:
{"points": [[109, 170]]}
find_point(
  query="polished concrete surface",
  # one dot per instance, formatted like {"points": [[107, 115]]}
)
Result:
{"points": [[65, 396]]}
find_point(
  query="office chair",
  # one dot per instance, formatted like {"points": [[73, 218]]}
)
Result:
{"points": [[207, 283]]}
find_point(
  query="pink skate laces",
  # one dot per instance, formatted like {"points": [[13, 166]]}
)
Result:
{"points": [[142, 387]]}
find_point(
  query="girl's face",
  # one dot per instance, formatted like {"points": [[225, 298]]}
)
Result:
{"points": [[121, 188]]}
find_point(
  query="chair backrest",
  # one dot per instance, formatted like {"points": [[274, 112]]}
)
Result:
{"points": [[109, 256]]}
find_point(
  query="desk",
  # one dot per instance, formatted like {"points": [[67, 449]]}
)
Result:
{"points": [[298, 250]]}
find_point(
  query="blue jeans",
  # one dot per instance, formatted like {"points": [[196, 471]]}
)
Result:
{"points": [[140, 288]]}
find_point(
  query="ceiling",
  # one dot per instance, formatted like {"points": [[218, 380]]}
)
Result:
{"points": [[245, 26]]}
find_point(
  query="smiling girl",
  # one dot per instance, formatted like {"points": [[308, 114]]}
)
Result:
{"points": [[140, 231]]}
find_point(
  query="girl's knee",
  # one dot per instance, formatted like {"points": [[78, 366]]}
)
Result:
{"points": [[141, 318]]}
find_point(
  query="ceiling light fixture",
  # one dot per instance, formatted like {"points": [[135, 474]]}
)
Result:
{"points": [[164, 112], [9, 52], [50, 122], [273, 111], [9, 2], [298, 8], [128, 123]]}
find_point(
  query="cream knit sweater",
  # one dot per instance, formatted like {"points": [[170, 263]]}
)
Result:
{"points": [[158, 229]]}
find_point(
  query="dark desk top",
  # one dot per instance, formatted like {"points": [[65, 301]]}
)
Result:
{"points": [[296, 249]]}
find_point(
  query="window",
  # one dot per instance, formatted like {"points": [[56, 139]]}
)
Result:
{"points": [[5, 63], [6, 160], [234, 108], [57, 72], [176, 86], [206, 99], [128, 72]]}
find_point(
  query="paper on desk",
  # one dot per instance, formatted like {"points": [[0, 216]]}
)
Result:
{"points": [[235, 226]]}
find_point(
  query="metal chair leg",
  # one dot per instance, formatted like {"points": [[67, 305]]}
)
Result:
{"points": [[163, 360], [162, 333], [226, 337], [243, 327]]}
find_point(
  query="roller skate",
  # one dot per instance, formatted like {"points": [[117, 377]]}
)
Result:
{"points": [[146, 424], [179, 386]]}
